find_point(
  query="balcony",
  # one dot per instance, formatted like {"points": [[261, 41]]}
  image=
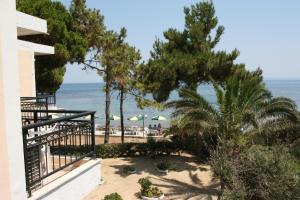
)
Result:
{"points": [[55, 141]]}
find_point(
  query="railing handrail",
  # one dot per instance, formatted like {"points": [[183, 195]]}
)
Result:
{"points": [[60, 119]]}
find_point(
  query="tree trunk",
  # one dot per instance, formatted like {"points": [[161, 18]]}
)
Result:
{"points": [[121, 113], [107, 112]]}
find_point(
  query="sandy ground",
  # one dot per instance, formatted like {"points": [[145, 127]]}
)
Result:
{"points": [[190, 180]]}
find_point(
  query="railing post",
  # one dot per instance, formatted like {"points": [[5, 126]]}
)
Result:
{"points": [[93, 134], [35, 118], [47, 107], [25, 133]]}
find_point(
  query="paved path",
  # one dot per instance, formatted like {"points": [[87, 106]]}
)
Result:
{"points": [[189, 180]]}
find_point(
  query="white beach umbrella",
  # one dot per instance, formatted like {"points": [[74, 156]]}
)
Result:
{"points": [[114, 117], [159, 118]]}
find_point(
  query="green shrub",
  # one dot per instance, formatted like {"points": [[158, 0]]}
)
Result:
{"points": [[269, 173], [256, 173], [128, 168], [295, 149], [113, 196], [152, 148], [145, 183], [164, 165], [147, 190]]}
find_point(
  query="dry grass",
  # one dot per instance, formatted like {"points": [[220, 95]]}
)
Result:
{"points": [[189, 180]]}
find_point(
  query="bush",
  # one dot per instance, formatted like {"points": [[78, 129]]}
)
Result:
{"points": [[256, 173], [128, 168], [164, 165], [295, 150], [147, 190], [269, 173], [151, 148], [113, 196]]}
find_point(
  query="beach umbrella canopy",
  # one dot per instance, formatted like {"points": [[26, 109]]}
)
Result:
{"points": [[136, 118], [88, 117], [159, 118], [114, 117]]}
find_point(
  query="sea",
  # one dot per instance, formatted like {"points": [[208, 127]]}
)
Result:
{"points": [[90, 96]]}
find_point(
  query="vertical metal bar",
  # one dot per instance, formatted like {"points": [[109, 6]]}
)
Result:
{"points": [[93, 134], [53, 168], [35, 119], [80, 135], [25, 133], [59, 149], [75, 135], [46, 155], [47, 114], [66, 138]]}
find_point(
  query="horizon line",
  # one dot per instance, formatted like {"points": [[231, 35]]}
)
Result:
{"points": [[267, 79]]}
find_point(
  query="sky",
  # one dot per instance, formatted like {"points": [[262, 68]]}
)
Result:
{"points": [[267, 33]]}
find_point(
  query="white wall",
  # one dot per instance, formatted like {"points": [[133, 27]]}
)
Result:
{"points": [[12, 174], [74, 185]]}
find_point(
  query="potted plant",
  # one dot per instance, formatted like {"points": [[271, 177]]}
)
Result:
{"points": [[148, 192], [163, 166], [129, 169], [113, 196]]}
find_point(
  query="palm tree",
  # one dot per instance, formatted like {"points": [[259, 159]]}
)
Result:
{"points": [[244, 108]]}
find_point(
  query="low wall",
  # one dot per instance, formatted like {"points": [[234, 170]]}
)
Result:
{"points": [[74, 185]]}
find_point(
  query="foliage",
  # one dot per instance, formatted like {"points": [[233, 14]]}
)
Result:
{"points": [[295, 150], [129, 58], [132, 149], [122, 149], [245, 112], [258, 172], [129, 168], [268, 173], [244, 108], [164, 165], [113, 196], [108, 58], [71, 44], [145, 183], [190, 140], [222, 164], [147, 190], [187, 58]]}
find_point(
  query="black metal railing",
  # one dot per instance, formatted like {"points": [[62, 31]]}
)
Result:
{"points": [[51, 145], [42, 102], [50, 96]]}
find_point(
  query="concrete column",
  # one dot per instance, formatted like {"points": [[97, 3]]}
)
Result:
{"points": [[12, 174]]}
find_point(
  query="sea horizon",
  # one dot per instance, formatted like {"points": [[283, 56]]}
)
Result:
{"points": [[90, 96]]}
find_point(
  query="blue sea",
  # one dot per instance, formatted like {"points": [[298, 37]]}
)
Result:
{"points": [[90, 96]]}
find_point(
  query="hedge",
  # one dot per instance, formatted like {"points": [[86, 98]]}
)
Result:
{"points": [[151, 148]]}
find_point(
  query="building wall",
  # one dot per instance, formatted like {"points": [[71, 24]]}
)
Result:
{"points": [[12, 177], [4, 172], [27, 73]]}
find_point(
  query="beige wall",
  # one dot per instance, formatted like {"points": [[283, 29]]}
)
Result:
{"points": [[12, 178], [4, 172], [27, 74]]}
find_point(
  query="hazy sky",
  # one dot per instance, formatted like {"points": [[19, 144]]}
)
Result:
{"points": [[267, 33]]}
